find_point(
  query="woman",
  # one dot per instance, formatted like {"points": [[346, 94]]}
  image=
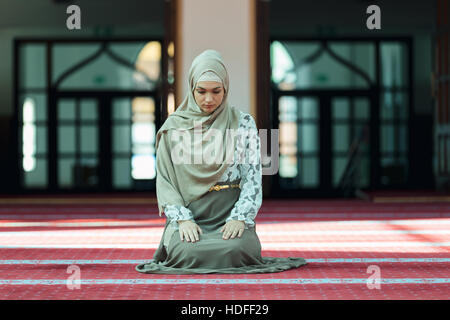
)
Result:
{"points": [[210, 206]]}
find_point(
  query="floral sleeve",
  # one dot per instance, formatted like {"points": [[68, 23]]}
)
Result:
{"points": [[250, 199], [177, 212]]}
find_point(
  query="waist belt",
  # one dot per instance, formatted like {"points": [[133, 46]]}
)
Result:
{"points": [[218, 187]]}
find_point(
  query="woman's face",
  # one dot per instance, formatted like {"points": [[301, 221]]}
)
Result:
{"points": [[208, 95]]}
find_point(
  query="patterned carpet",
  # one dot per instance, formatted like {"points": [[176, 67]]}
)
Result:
{"points": [[80, 249]]}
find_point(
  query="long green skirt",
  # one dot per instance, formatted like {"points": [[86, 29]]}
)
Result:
{"points": [[212, 254]]}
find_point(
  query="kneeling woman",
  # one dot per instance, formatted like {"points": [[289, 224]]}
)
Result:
{"points": [[210, 206]]}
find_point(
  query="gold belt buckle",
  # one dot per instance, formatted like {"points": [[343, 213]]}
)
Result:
{"points": [[225, 186]]}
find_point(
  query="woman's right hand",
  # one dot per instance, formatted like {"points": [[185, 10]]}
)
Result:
{"points": [[189, 230]]}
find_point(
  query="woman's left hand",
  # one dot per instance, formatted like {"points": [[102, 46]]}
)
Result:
{"points": [[233, 228]]}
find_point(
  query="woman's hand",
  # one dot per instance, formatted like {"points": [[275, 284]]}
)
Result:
{"points": [[233, 228], [189, 230]]}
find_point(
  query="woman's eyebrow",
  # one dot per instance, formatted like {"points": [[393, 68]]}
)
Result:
{"points": [[198, 87]]}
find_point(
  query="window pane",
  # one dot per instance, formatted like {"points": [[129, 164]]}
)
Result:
{"points": [[143, 166], [360, 131], [288, 138], [295, 67], [67, 55], [394, 105], [121, 109], [143, 126], [33, 66], [310, 171], [362, 55], [41, 139], [121, 138], [340, 108], [28, 134], [121, 173], [89, 138], [339, 164], [387, 138], [326, 72], [146, 56], [88, 109], [86, 173], [309, 138], [341, 137], [66, 109], [287, 109], [387, 106], [394, 64], [65, 172], [37, 178], [143, 138], [362, 178], [288, 166], [401, 105], [141, 69], [66, 139], [81, 174], [362, 111], [309, 108], [308, 177], [39, 102]]}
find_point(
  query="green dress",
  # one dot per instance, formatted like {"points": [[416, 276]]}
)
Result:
{"points": [[212, 254]]}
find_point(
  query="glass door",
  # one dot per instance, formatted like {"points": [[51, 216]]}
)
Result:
{"points": [[350, 153], [106, 143], [133, 155], [343, 110], [323, 140], [299, 127], [78, 143], [86, 113]]}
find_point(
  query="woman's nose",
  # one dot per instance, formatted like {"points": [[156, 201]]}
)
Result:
{"points": [[208, 97]]}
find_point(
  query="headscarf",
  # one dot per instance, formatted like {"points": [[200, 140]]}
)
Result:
{"points": [[180, 184]]}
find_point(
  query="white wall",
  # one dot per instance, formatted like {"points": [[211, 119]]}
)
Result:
{"points": [[225, 26]]}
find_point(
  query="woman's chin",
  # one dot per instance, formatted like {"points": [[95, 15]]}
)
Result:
{"points": [[209, 110]]}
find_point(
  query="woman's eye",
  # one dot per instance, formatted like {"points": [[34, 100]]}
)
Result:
{"points": [[203, 92]]}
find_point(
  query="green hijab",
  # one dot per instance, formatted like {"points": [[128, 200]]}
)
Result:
{"points": [[180, 184]]}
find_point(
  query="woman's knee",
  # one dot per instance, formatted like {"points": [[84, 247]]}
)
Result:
{"points": [[243, 245]]}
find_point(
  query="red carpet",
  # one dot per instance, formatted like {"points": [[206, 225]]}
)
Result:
{"points": [[344, 241]]}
